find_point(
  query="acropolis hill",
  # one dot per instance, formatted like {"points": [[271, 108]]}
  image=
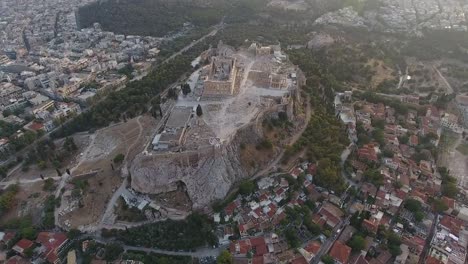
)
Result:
{"points": [[237, 90]]}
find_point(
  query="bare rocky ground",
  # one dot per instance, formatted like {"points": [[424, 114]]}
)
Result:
{"points": [[29, 202], [123, 138], [458, 164], [453, 159], [81, 140]]}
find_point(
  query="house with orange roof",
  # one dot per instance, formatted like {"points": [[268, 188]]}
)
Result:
{"points": [[340, 253], [51, 245], [432, 260], [451, 224], [368, 152], [328, 214], [22, 246], [313, 247], [413, 140], [299, 260], [450, 203]]}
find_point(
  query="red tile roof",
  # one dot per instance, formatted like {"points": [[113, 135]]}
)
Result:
{"points": [[370, 225], [313, 247], [432, 260], [412, 243], [312, 169], [263, 197], [330, 219], [258, 211], [295, 172], [451, 223], [449, 202], [258, 260], [242, 228], [413, 140], [259, 245], [24, 244], [367, 152], [52, 242], [36, 126], [279, 218], [384, 257], [340, 252], [244, 246], [380, 194], [299, 260], [229, 210]]}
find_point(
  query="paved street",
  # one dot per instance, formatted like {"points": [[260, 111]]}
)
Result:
{"points": [[329, 242]]}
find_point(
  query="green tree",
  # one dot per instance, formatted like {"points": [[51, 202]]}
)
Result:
{"points": [[49, 185], [28, 233], [403, 139], [419, 216], [119, 158], [172, 93], [413, 205], [69, 144], [73, 233], [42, 164], [186, 89], [312, 227], [328, 175], [113, 251], [378, 123], [379, 136], [28, 252], [394, 242], [6, 113], [224, 258], [388, 153], [439, 205], [292, 238], [374, 176], [449, 189], [357, 243], [394, 250], [199, 110], [246, 187], [327, 259]]}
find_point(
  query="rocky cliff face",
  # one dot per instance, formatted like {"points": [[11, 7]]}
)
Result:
{"points": [[208, 174]]}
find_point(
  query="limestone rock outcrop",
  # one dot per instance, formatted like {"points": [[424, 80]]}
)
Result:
{"points": [[208, 173]]}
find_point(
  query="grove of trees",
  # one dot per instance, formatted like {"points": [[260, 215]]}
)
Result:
{"points": [[193, 232]]}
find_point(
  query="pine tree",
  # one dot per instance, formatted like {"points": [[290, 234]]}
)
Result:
{"points": [[199, 110]]}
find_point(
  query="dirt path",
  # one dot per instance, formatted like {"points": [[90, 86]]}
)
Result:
{"points": [[458, 164], [447, 84], [7, 183], [108, 217], [140, 132], [293, 140]]}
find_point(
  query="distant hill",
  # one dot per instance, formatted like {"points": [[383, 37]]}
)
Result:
{"points": [[148, 17], [160, 17]]}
